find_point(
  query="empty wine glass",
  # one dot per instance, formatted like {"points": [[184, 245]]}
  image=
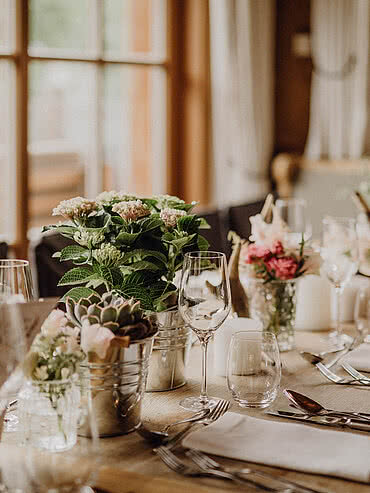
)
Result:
{"points": [[16, 280], [294, 213], [204, 303], [362, 312], [253, 368], [339, 252]]}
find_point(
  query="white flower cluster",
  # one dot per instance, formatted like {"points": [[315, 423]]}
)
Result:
{"points": [[171, 216], [55, 353], [107, 255], [88, 238], [113, 196], [131, 210], [75, 208], [165, 201]]}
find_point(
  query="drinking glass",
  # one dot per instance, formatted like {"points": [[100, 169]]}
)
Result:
{"points": [[253, 368], [24, 467], [294, 213], [362, 312], [204, 303], [339, 252], [16, 280]]}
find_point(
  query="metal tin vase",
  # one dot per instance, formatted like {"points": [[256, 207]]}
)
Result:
{"points": [[170, 355], [117, 385]]}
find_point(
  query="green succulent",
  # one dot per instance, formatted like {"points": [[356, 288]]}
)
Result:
{"points": [[123, 317]]}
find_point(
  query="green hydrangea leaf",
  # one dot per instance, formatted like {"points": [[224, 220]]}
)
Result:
{"points": [[77, 275], [74, 252], [77, 293]]}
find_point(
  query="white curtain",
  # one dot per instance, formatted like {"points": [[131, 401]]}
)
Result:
{"points": [[339, 113], [242, 74]]}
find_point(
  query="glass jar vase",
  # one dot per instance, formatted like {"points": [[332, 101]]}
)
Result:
{"points": [[48, 413], [274, 304]]}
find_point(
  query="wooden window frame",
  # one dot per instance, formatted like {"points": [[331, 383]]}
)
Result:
{"points": [[187, 98]]}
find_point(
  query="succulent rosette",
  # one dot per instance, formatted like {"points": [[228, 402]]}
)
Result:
{"points": [[129, 245], [108, 320]]}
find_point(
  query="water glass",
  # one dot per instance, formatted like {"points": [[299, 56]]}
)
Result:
{"points": [[16, 280], [294, 213], [253, 368], [362, 312]]}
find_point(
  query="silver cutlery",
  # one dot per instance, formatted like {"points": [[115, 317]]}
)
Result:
{"points": [[333, 377], [310, 406], [174, 463], [315, 358], [195, 417], [342, 422], [354, 373], [219, 410], [203, 461]]}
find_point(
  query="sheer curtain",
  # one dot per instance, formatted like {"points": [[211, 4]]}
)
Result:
{"points": [[339, 113], [242, 72]]}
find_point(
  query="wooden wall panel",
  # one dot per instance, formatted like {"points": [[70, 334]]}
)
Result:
{"points": [[293, 77]]}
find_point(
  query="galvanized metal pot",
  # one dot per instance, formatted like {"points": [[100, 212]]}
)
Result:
{"points": [[167, 367], [117, 385]]}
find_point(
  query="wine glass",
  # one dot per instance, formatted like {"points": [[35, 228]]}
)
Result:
{"points": [[16, 280], [204, 303], [339, 252], [294, 213], [362, 312]]}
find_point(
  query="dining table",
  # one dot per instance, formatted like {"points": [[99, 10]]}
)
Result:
{"points": [[129, 464]]}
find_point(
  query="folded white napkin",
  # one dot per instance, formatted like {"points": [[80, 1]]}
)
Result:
{"points": [[288, 445], [359, 358]]}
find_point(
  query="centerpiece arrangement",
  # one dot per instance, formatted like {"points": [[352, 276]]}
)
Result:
{"points": [[272, 263], [133, 247]]}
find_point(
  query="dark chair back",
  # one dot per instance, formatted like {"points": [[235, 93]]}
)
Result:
{"points": [[50, 270], [239, 217], [217, 235], [3, 249]]}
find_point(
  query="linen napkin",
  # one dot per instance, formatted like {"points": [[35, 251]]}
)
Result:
{"points": [[287, 445], [359, 358]]}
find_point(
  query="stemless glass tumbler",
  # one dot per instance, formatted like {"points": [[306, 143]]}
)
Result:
{"points": [[204, 303], [253, 368]]}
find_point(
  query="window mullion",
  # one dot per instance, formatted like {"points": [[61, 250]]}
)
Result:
{"points": [[94, 168], [22, 162]]}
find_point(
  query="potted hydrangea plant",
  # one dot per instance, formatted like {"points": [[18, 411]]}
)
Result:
{"points": [[134, 247]]}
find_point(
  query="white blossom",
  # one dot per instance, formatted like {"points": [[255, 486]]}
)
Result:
{"points": [[88, 238], [166, 201], [95, 338], [107, 255], [131, 210], [171, 216], [75, 208], [113, 196], [65, 372], [54, 323], [41, 373]]}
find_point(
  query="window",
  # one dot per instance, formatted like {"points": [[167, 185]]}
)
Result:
{"points": [[83, 97]]}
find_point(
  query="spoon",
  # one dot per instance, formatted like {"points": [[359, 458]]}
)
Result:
{"points": [[314, 358], [310, 406]]}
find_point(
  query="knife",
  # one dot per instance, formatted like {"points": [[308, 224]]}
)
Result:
{"points": [[323, 420]]}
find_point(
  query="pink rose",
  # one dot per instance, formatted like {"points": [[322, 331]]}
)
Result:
{"points": [[282, 268], [277, 248], [256, 252]]}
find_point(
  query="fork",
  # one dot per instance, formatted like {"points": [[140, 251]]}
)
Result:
{"points": [[203, 461], [333, 377], [196, 417], [219, 410], [174, 463], [354, 373]]}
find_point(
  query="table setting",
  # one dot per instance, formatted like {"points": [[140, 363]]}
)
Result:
{"points": [[101, 389]]}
